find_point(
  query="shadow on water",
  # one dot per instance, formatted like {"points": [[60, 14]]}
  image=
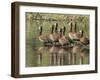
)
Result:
{"points": [[58, 56]]}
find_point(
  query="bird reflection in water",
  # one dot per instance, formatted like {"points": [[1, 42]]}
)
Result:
{"points": [[53, 51], [58, 56], [41, 52]]}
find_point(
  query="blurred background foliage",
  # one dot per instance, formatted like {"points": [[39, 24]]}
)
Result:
{"points": [[47, 19]]}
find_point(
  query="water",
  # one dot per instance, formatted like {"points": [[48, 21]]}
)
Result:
{"points": [[57, 56]]}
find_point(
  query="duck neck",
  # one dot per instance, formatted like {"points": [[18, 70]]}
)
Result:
{"points": [[56, 28], [52, 29], [41, 30], [82, 34], [63, 32], [60, 32], [64, 29], [71, 25], [75, 28]]}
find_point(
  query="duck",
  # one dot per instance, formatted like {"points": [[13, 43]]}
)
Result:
{"points": [[70, 34], [74, 36], [63, 40], [41, 37], [57, 35], [84, 40], [54, 36], [75, 33]]}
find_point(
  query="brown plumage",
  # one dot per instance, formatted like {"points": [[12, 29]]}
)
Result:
{"points": [[83, 39], [53, 36], [63, 40], [73, 35], [41, 37]]}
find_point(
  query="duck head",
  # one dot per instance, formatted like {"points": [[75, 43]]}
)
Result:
{"points": [[56, 27], [40, 30], [81, 32]]}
